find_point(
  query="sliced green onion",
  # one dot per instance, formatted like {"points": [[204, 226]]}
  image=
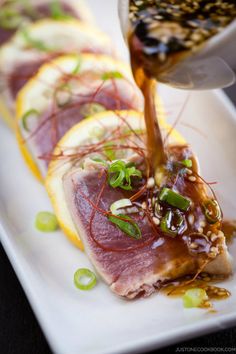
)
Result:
{"points": [[30, 10], [194, 297], [76, 70], [46, 222], [122, 203], [112, 75], [89, 109], [30, 115], [9, 19], [131, 172], [173, 223], [109, 151], [120, 174], [35, 43], [212, 211], [127, 225], [98, 160], [85, 279], [187, 163], [174, 199], [116, 180], [57, 11]]}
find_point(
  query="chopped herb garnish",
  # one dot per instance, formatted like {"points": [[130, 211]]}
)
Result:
{"points": [[187, 163], [112, 75], [174, 199], [173, 223], [35, 43], [77, 67], [109, 150], [127, 225], [98, 160], [120, 174], [57, 12], [212, 211], [10, 19], [32, 113]]}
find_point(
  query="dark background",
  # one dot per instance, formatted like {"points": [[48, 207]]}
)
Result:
{"points": [[20, 333]]}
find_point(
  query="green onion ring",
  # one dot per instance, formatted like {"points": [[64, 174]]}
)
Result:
{"points": [[121, 203], [83, 274], [167, 223], [194, 297], [117, 179], [46, 221], [26, 116], [212, 211]]}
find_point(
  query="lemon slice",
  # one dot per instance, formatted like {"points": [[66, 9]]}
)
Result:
{"points": [[36, 43], [77, 138], [38, 94]]}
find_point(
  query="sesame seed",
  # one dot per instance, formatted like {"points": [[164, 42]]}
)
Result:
{"points": [[144, 205], [165, 39], [188, 171], [221, 234], [162, 56], [191, 219], [193, 245], [213, 237], [150, 183], [189, 44], [196, 37], [212, 255], [192, 178], [156, 221], [214, 249]]}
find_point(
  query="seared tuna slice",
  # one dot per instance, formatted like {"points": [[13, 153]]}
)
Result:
{"points": [[131, 267]]}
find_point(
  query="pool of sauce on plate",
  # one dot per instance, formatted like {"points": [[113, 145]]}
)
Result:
{"points": [[203, 281]]}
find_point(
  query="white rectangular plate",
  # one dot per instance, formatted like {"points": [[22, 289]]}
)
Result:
{"points": [[97, 322]]}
